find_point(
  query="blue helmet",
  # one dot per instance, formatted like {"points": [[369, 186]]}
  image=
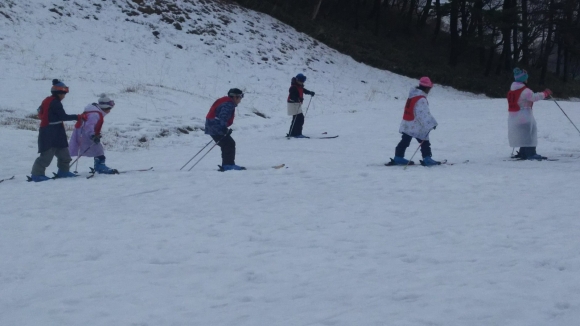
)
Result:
{"points": [[301, 78]]}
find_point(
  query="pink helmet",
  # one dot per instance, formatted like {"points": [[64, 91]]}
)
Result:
{"points": [[425, 82]]}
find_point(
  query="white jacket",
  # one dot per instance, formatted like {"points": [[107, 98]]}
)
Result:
{"points": [[522, 129], [423, 122]]}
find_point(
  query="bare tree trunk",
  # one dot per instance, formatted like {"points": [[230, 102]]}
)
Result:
{"points": [[438, 19], [410, 14], [377, 17], [316, 9], [548, 46], [478, 18], [559, 54], [464, 26], [565, 76], [516, 54], [425, 14], [525, 36], [507, 22], [454, 43]]}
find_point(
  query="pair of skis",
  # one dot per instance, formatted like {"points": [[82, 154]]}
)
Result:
{"points": [[276, 167], [444, 162], [93, 171]]}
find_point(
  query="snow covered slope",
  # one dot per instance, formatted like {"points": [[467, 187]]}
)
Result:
{"points": [[335, 238]]}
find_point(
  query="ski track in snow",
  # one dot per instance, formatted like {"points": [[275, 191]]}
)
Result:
{"points": [[334, 238]]}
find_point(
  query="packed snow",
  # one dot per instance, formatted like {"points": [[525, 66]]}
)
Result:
{"points": [[333, 238]]}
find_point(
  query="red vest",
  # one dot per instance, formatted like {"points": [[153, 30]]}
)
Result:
{"points": [[300, 89], [409, 114], [43, 111], [211, 113], [513, 97], [85, 116]]}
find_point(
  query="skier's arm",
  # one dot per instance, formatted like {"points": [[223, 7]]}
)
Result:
{"points": [[57, 113], [528, 95], [225, 113], [307, 92]]}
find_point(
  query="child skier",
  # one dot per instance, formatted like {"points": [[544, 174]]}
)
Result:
{"points": [[417, 123], [86, 138], [522, 130], [219, 118], [295, 99], [52, 139]]}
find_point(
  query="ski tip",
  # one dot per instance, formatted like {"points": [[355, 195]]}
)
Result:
{"points": [[279, 166]]}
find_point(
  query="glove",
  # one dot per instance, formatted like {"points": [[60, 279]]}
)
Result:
{"points": [[311, 93], [547, 92], [229, 132], [96, 138]]}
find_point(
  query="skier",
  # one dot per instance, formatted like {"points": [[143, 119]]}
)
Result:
{"points": [[417, 123], [52, 140], [86, 138], [522, 129], [295, 99], [219, 118]]}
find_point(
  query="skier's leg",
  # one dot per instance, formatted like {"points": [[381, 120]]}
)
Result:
{"points": [[298, 124], [42, 162], [228, 146], [63, 159], [425, 148], [402, 146]]}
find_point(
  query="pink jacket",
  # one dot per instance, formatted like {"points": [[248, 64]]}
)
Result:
{"points": [[80, 143]]}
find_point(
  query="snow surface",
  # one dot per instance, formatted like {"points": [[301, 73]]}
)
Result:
{"points": [[336, 238]]}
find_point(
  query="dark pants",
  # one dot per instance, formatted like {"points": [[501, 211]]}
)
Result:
{"points": [[228, 146], [296, 125], [525, 152], [406, 141]]}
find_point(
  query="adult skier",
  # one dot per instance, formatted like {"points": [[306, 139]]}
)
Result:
{"points": [[417, 123], [295, 99], [52, 139], [86, 138], [217, 122], [522, 128]]}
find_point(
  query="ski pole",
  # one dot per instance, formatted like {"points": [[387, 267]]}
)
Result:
{"points": [[214, 145], [305, 112], [206, 145], [86, 150], [564, 113]]}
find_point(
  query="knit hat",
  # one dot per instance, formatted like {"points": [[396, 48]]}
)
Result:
{"points": [[105, 102], [425, 82], [235, 92], [520, 75], [301, 78], [58, 87]]}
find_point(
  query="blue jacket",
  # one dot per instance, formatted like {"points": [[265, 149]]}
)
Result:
{"points": [[53, 135], [220, 116]]}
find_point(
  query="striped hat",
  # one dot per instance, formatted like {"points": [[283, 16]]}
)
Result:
{"points": [[58, 87]]}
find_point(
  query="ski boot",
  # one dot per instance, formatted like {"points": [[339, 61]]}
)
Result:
{"points": [[428, 161], [400, 161], [38, 178], [100, 167], [231, 167], [64, 174]]}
